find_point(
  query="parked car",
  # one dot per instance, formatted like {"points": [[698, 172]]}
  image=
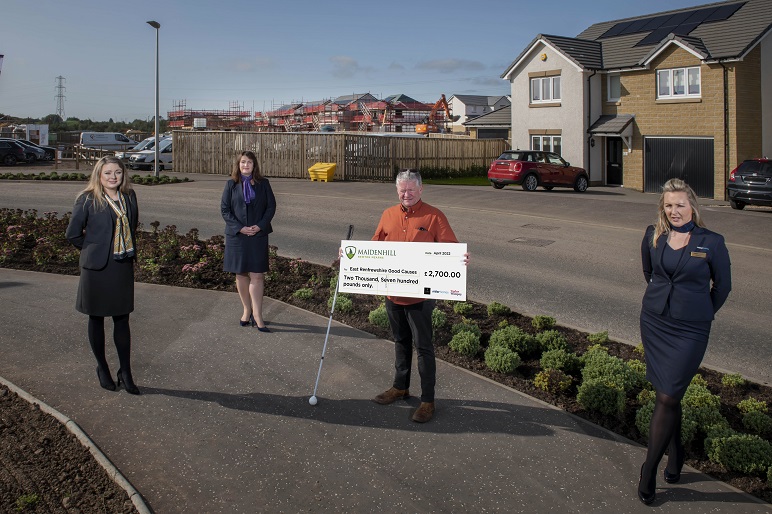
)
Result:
{"points": [[11, 152], [533, 168], [145, 159], [145, 144], [31, 153], [750, 183], [49, 150]]}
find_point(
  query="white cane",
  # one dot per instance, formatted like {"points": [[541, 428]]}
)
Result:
{"points": [[313, 399]]}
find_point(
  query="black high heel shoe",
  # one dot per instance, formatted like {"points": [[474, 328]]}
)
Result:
{"points": [[128, 382], [672, 478], [249, 322], [646, 499], [105, 380]]}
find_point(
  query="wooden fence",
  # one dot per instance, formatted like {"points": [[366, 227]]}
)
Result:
{"points": [[358, 157]]}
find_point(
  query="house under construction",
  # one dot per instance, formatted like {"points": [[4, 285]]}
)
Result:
{"points": [[358, 113], [234, 118]]}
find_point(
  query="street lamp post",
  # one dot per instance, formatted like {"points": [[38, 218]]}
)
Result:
{"points": [[156, 26]]}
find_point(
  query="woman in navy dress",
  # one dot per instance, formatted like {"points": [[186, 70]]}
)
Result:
{"points": [[248, 206], [688, 278], [103, 227]]}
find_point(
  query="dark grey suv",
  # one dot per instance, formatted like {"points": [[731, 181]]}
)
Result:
{"points": [[750, 184]]}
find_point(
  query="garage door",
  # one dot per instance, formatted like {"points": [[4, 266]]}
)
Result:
{"points": [[690, 159]]}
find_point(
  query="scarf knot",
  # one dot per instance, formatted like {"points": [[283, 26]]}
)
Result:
{"points": [[246, 188], [123, 243]]}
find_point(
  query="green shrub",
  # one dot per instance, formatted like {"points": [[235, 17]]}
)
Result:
{"points": [[498, 309], [379, 317], [643, 415], [560, 359], [701, 408], [501, 359], [638, 369], [769, 477], [606, 397], [463, 308], [742, 452], [333, 283], [465, 343], [646, 396], [543, 322], [639, 349], [344, 303], [758, 423], [515, 339], [304, 293], [466, 326], [552, 340], [503, 323], [699, 380], [752, 405], [599, 337], [439, 318], [552, 380], [600, 366], [733, 380]]}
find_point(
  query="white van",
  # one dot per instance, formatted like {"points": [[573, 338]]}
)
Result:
{"points": [[106, 140]]}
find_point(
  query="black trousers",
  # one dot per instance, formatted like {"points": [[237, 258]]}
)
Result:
{"points": [[411, 325]]}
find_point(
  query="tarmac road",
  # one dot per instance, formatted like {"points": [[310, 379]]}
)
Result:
{"points": [[559, 253]]}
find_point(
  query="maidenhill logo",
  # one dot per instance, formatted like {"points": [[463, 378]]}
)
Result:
{"points": [[353, 251]]}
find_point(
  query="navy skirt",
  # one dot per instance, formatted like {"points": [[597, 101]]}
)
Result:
{"points": [[673, 350], [108, 291], [246, 254]]}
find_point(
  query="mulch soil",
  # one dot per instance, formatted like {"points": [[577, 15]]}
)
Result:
{"points": [[285, 278], [44, 468]]}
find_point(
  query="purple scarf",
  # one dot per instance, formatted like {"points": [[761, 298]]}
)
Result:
{"points": [[246, 188]]}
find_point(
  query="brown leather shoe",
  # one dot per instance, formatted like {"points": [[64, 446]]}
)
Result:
{"points": [[424, 412], [391, 396]]}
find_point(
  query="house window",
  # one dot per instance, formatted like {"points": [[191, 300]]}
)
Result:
{"points": [[547, 143], [545, 89], [678, 83], [614, 88]]}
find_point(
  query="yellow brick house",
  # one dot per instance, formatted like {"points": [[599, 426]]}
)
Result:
{"points": [[684, 93]]}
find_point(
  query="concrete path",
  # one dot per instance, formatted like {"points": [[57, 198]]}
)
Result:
{"points": [[224, 424]]}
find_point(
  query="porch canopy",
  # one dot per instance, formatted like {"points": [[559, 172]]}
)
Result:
{"points": [[615, 125]]}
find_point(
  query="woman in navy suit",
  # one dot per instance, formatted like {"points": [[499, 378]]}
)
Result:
{"points": [[248, 206], [688, 279], [104, 226]]}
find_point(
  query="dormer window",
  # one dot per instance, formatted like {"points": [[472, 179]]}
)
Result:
{"points": [[679, 83]]}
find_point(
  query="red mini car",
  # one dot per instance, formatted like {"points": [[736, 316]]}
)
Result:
{"points": [[534, 168]]}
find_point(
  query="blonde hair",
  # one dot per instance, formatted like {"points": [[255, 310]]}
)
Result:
{"points": [[236, 173], [94, 187], [674, 185]]}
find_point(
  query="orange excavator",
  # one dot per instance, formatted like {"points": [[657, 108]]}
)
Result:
{"points": [[430, 124]]}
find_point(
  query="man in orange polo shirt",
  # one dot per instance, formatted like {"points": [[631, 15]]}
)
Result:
{"points": [[411, 318]]}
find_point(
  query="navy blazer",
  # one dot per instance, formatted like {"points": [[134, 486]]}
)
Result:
{"points": [[701, 282], [234, 209], [91, 229]]}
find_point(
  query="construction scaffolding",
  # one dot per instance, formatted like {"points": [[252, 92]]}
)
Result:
{"points": [[234, 118], [351, 113]]}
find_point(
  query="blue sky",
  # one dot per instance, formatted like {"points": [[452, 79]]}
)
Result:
{"points": [[261, 53]]}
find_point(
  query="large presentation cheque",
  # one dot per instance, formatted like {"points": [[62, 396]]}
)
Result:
{"points": [[417, 270]]}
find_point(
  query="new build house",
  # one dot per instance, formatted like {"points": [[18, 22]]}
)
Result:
{"points": [[684, 93]]}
